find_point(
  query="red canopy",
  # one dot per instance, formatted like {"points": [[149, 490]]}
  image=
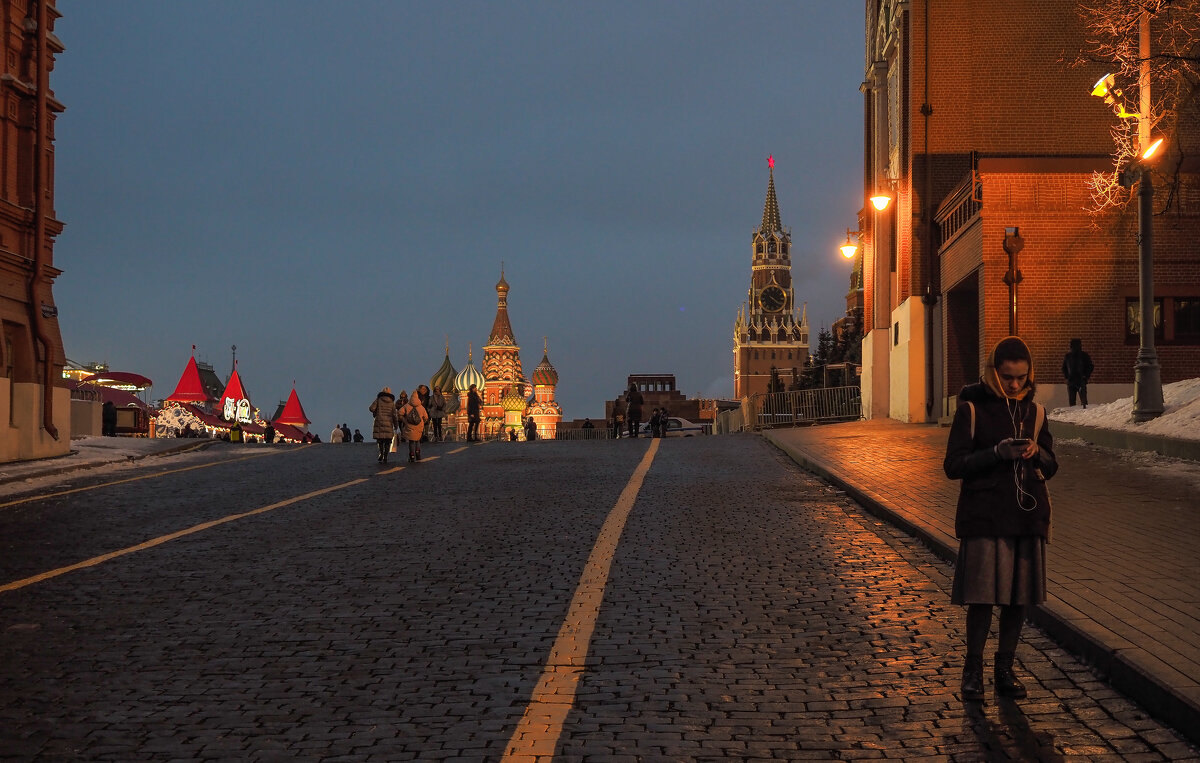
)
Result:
{"points": [[118, 377], [289, 432], [189, 389], [293, 412], [233, 390]]}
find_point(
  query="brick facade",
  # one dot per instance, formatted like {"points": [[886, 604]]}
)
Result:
{"points": [[34, 401], [990, 130]]}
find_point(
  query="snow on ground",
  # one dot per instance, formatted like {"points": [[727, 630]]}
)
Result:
{"points": [[1180, 419]]}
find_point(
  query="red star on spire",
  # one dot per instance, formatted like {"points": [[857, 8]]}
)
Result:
{"points": [[771, 161]]}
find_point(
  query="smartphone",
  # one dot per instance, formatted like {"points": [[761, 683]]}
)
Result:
{"points": [[1021, 442]]}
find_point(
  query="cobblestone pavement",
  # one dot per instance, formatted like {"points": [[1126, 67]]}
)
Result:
{"points": [[752, 612]]}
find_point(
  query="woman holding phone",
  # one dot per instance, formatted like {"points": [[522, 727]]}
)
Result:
{"points": [[1001, 449]]}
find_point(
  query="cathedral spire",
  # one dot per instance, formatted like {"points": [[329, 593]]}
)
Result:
{"points": [[770, 221]]}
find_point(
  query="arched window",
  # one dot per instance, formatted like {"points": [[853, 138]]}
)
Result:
{"points": [[756, 354], [758, 249], [771, 247]]}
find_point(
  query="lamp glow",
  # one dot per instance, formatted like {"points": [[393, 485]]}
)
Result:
{"points": [[849, 248], [881, 201], [1102, 86], [1149, 152]]}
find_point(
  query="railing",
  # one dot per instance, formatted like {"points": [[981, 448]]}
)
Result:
{"points": [[801, 407], [598, 433]]}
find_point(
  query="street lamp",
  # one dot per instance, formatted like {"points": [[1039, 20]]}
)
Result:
{"points": [[849, 249], [880, 201], [1147, 386]]}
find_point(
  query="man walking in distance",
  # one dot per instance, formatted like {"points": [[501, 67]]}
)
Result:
{"points": [[1077, 369]]}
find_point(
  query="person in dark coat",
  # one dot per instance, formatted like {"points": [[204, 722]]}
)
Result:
{"points": [[108, 419], [269, 433], [474, 410], [358, 436], [618, 420], [633, 409], [384, 411], [1000, 447], [345, 433], [437, 412], [1077, 369]]}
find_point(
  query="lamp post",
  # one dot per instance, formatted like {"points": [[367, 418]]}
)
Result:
{"points": [[1147, 386]]}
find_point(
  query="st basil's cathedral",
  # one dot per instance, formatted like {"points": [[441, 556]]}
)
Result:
{"points": [[508, 396]]}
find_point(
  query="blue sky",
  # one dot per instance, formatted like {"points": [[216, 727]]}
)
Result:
{"points": [[333, 187]]}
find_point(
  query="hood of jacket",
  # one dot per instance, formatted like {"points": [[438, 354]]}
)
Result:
{"points": [[386, 394]]}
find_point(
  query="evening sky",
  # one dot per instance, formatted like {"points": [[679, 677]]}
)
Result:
{"points": [[332, 187]]}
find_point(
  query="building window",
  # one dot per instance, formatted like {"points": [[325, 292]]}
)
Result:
{"points": [[756, 354], [1186, 323], [771, 247], [758, 249], [1133, 321]]}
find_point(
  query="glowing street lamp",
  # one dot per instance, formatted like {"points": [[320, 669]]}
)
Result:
{"points": [[1147, 386], [880, 201], [849, 249]]}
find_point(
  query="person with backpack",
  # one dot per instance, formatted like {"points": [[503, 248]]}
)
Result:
{"points": [[1000, 447], [412, 423]]}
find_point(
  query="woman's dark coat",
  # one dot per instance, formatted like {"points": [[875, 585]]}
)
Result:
{"points": [[384, 409], [634, 404], [988, 499]]}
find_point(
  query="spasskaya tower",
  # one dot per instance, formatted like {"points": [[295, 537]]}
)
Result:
{"points": [[768, 333]]}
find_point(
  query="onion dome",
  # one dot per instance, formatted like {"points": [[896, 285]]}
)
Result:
{"points": [[544, 374], [468, 376], [513, 400], [443, 378]]}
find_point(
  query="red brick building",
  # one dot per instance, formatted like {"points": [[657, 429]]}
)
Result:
{"points": [[34, 399], [982, 136]]}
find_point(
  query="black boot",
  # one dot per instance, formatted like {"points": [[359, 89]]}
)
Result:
{"points": [[1007, 684], [972, 679]]}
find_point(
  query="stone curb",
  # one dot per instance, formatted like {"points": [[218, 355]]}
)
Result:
{"points": [[1119, 438], [52, 470], [1127, 669]]}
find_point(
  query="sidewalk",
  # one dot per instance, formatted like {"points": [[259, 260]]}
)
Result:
{"points": [[1124, 560], [90, 452]]}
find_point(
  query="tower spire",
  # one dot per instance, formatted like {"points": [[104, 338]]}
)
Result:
{"points": [[770, 221]]}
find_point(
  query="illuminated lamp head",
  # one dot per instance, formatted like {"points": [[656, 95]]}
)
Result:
{"points": [[1152, 148], [881, 201]]}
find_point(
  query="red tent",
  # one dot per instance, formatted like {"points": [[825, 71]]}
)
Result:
{"points": [[233, 391], [293, 412], [189, 389]]}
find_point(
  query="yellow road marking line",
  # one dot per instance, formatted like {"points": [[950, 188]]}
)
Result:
{"points": [[393, 470], [540, 727], [170, 537], [44, 496], [458, 450]]}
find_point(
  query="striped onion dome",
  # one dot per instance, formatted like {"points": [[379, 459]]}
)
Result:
{"points": [[513, 400], [468, 376], [443, 379], [545, 374]]}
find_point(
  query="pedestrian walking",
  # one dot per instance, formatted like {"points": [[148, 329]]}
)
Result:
{"points": [[530, 429], [345, 433], [1001, 449], [413, 417], [633, 409], [618, 419], [108, 419], [437, 412], [474, 409], [1077, 369], [336, 435], [384, 411], [358, 436], [269, 433]]}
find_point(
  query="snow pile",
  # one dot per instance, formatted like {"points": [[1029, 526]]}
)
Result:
{"points": [[1180, 418]]}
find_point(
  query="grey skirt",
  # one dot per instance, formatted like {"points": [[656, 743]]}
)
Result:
{"points": [[1006, 570]]}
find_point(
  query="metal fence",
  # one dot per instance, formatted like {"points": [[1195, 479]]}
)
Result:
{"points": [[801, 407], [598, 433]]}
